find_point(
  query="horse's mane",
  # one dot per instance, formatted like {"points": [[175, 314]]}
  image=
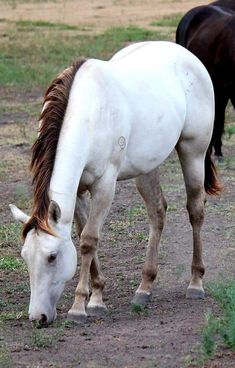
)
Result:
{"points": [[44, 148]]}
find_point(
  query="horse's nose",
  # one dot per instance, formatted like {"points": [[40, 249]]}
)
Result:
{"points": [[42, 322]]}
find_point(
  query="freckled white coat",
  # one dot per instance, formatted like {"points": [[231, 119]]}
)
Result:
{"points": [[124, 117]]}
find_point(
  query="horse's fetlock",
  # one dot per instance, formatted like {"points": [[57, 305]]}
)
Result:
{"points": [[199, 269], [82, 292], [150, 273]]}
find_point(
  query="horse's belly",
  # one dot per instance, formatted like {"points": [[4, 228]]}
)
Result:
{"points": [[147, 150]]}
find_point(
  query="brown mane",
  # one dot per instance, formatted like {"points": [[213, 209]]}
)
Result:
{"points": [[44, 148]]}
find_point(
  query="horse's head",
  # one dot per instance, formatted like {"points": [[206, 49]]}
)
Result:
{"points": [[51, 261]]}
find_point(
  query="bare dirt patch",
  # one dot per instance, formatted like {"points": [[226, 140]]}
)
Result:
{"points": [[98, 14]]}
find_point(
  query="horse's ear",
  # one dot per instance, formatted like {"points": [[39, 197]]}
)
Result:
{"points": [[18, 214], [54, 212]]}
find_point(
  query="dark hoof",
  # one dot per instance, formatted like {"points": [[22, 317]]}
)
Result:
{"points": [[76, 316], [195, 294], [97, 310], [141, 298]]}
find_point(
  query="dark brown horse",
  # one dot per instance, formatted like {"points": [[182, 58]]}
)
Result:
{"points": [[209, 33]]}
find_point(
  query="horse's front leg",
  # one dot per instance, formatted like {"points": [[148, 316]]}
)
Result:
{"points": [[102, 193], [96, 305], [149, 188]]}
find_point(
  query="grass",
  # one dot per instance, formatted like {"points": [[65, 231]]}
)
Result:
{"points": [[11, 263], [5, 356], [43, 54], [22, 197], [220, 330], [9, 234], [139, 309], [229, 130], [43, 24], [136, 212], [13, 316], [171, 20], [43, 339]]}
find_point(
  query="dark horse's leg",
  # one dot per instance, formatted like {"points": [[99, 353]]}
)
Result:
{"points": [[221, 100], [149, 188]]}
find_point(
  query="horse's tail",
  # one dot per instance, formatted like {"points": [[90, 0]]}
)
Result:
{"points": [[182, 29], [184, 25], [211, 183]]}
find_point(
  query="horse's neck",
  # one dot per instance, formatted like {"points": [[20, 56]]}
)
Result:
{"points": [[69, 164]]}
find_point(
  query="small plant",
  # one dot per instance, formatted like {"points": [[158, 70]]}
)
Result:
{"points": [[220, 329], [135, 212], [229, 130], [139, 309], [9, 234], [44, 338], [11, 263]]}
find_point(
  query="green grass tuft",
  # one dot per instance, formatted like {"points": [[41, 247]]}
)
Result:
{"points": [[171, 20], [229, 130], [220, 329], [139, 309], [9, 234], [44, 24], [11, 263]]}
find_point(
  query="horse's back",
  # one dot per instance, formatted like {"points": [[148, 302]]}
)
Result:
{"points": [[229, 4]]}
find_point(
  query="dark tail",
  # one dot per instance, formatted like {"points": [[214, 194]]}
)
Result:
{"points": [[211, 184], [193, 17], [183, 27]]}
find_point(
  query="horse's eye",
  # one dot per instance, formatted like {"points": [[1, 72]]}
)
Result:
{"points": [[51, 258]]}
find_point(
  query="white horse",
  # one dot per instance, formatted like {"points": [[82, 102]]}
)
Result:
{"points": [[104, 121]]}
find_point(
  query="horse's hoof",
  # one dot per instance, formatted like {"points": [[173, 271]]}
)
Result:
{"points": [[195, 293], [97, 310], [141, 298], [75, 316]]}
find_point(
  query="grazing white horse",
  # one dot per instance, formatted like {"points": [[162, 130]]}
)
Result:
{"points": [[104, 121]]}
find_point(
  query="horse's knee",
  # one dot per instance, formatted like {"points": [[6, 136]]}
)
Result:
{"points": [[88, 244]]}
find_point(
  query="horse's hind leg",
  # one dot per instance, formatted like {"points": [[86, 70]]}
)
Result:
{"points": [[149, 188], [192, 164]]}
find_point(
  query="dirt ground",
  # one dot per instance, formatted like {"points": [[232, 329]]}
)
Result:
{"points": [[99, 14], [168, 333]]}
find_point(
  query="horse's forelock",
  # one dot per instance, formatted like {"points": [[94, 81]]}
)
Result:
{"points": [[44, 148]]}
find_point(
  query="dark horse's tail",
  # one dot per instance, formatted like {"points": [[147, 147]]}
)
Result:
{"points": [[211, 183], [183, 27], [193, 17]]}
